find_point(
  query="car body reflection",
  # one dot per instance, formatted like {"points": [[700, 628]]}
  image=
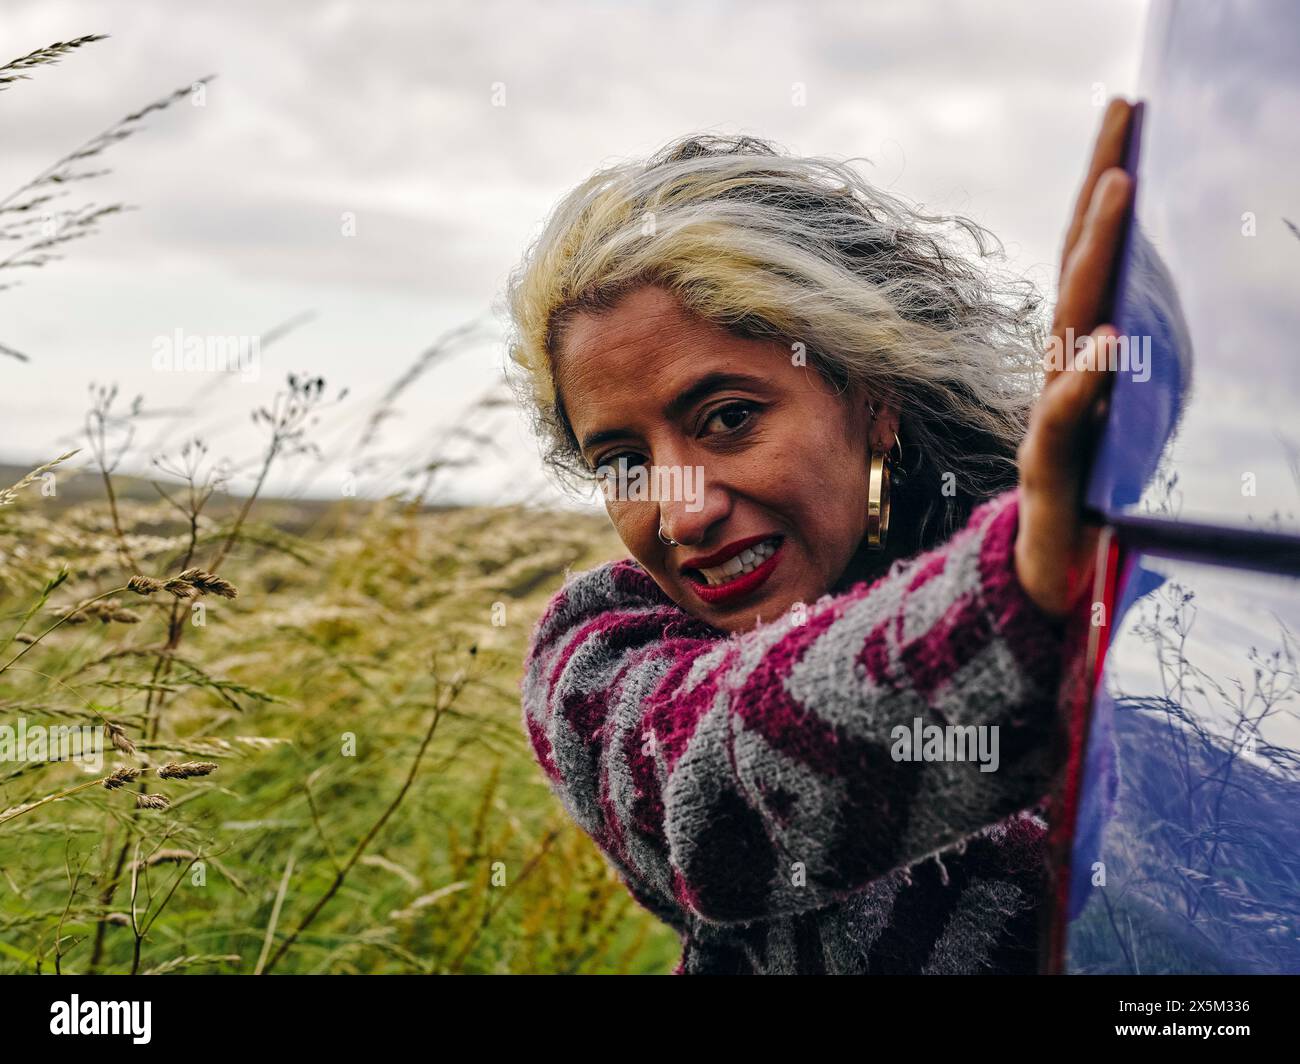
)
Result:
{"points": [[1182, 812]]}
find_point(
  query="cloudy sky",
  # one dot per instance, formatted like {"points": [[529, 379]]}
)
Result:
{"points": [[390, 113]]}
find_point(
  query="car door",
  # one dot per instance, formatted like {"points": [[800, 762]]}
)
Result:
{"points": [[1182, 803]]}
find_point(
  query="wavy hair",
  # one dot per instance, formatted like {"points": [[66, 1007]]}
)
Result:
{"points": [[769, 246]]}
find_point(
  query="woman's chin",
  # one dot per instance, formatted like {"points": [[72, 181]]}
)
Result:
{"points": [[758, 597], [762, 606]]}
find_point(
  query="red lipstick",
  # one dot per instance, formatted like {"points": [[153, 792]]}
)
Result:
{"points": [[707, 561], [719, 594]]}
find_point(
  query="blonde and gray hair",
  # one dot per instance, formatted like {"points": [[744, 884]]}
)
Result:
{"points": [[805, 251]]}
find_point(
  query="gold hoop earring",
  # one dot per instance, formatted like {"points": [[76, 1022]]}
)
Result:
{"points": [[878, 500]]}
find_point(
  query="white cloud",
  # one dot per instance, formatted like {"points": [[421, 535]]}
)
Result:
{"points": [[384, 109]]}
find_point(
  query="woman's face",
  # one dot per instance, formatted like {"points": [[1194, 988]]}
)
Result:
{"points": [[782, 460]]}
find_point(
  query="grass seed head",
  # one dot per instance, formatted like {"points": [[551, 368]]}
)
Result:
{"points": [[186, 769], [121, 777], [117, 734], [208, 583]]}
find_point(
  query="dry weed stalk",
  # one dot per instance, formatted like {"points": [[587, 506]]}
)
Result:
{"points": [[121, 777], [288, 420], [118, 778], [191, 583]]}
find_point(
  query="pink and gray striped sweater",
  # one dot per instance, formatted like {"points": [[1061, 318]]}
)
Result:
{"points": [[748, 787]]}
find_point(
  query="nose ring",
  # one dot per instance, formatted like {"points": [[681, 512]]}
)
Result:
{"points": [[665, 540]]}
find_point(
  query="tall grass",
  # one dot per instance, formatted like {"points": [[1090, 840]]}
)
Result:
{"points": [[363, 799], [314, 759]]}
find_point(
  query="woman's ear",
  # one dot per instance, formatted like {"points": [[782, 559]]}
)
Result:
{"points": [[883, 425]]}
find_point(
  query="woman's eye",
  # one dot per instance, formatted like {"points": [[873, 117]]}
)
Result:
{"points": [[731, 417], [614, 462]]}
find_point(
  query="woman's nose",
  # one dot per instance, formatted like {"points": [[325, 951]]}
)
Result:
{"points": [[689, 515]]}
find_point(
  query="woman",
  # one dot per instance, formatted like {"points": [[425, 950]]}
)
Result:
{"points": [[733, 713]]}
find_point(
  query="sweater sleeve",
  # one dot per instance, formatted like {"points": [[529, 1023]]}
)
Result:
{"points": [[770, 772]]}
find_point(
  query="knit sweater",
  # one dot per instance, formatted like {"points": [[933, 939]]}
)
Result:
{"points": [[754, 790]]}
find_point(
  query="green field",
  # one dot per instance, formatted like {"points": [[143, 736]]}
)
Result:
{"points": [[359, 631]]}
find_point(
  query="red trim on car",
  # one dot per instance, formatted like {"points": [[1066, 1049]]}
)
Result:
{"points": [[1085, 656]]}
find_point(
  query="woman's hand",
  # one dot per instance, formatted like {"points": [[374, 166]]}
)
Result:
{"points": [[1054, 551]]}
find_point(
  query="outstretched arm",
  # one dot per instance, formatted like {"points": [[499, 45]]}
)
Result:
{"points": [[765, 772]]}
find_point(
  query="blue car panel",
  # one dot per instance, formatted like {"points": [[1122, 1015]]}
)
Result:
{"points": [[1184, 852], [1204, 425]]}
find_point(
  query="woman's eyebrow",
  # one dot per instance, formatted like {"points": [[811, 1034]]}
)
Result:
{"points": [[707, 385], [683, 401]]}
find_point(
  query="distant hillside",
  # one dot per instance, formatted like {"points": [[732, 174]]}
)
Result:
{"points": [[76, 486]]}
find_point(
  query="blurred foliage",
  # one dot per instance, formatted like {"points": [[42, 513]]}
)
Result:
{"points": [[346, 629]]}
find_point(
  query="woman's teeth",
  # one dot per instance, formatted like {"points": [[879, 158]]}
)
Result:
{"points": [[746, 561]]}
